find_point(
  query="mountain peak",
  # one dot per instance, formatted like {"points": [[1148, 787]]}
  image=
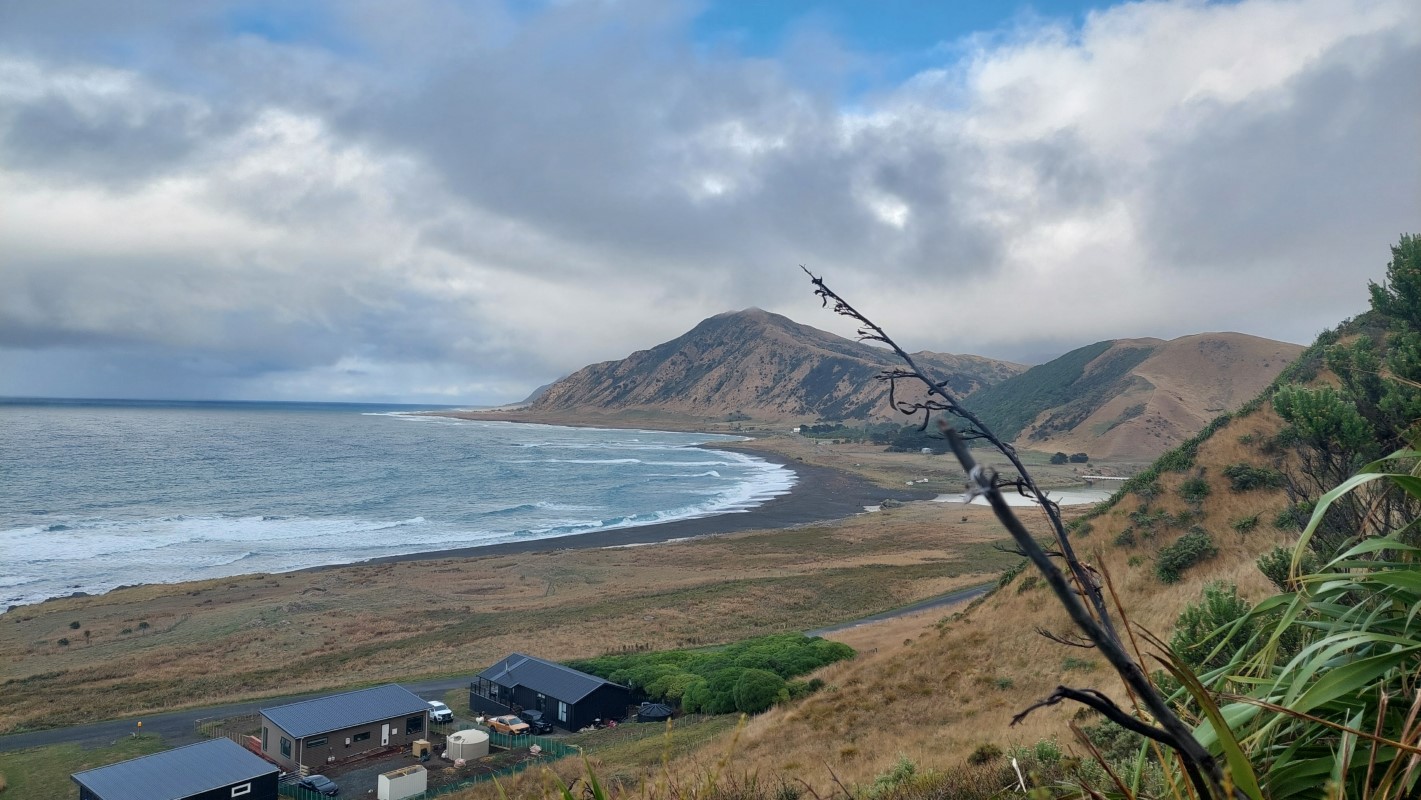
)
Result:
{"points": [[756, 363]]}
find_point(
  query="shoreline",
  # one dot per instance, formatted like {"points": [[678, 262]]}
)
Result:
{"points": [[820, 495]]}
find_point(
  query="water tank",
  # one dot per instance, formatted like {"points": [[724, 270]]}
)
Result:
{"points": [[468, 745]]}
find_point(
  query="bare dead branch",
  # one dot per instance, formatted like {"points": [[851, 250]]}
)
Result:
{"points": [[1093, 620]]}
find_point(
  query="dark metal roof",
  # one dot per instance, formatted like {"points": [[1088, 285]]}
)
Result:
{"points": [[173, 774], [554, 680], [347, 710], [651, 712]]}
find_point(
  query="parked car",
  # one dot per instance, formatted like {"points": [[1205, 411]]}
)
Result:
{"points": [[320, 784], [508, 724], [537, 724], [440, 712]]}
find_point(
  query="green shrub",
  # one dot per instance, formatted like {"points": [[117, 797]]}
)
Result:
{"points": [[758, 689], [1246, 524], [63, 643], [984, 754], [1027, 584], [1188, 550], [1079, 458], [1011, 572], [1203, 635], [74, 626], [1125, 538], [901, 773], [1275, 563], [1194, 490], [1059, 458], [798, 689], [1246, 477], [1294, 517]]}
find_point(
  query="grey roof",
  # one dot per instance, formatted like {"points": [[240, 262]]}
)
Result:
{"points": [[554, 680], [177, 773], [346, 710]]}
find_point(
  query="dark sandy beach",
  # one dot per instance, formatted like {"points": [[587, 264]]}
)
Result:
{"points": [[820, 494]]}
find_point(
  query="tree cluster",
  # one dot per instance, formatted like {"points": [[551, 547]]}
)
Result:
{"points": [[748, 676]]}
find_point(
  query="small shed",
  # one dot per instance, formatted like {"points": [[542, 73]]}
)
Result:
{"points": [[653, 712], [217, 769], [568, 698], [402, 783]]}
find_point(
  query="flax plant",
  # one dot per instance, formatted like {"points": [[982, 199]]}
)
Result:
{"points": [[1342, 717]]}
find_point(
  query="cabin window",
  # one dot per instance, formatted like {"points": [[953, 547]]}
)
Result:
{"points": [[285, 747], [414, 725], [361, 737], [264, 744], [238, 791], [541, 701], [318, 742], [562, 711]]}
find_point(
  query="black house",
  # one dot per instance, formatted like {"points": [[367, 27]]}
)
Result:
{"points": [[568, 698], [217, 769]]}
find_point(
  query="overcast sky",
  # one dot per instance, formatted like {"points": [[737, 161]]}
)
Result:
{"points": [[455, 202]]}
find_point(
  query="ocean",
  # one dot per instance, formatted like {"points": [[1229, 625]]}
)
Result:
{"points": [[99, 494]]}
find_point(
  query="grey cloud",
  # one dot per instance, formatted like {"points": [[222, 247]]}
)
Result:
{"points": [[110, 139], [1308, 177]]}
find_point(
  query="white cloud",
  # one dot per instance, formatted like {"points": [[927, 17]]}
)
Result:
{"points": [[530, 193]]}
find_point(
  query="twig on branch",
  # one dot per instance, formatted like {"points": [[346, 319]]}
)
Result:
{"points": [[1069, 639]]}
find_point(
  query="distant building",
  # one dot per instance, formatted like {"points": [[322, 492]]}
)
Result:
{"points": [[569, 699], [313, 733], [217, 769]]}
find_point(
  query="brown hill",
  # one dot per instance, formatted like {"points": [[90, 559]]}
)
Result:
{"points": [[1166, 398], [759, 365]]}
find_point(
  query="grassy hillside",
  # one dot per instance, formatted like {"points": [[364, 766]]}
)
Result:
{"points": [[1008, 407]]}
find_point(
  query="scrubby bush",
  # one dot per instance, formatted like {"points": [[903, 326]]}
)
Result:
{"points": [[1188, 550], [1202, 633], [1059, 458], [1246, 524], [1079, 458], [1275, 564], [1246, 477], [1194, 490], [984, 754]]}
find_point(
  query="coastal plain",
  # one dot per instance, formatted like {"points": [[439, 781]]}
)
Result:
{"points": [[157, 647]]}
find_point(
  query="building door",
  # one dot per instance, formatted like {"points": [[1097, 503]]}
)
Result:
{"points": [[385, 734]]}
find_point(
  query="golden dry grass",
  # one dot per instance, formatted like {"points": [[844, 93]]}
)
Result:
{"points": [[934, 690]]}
